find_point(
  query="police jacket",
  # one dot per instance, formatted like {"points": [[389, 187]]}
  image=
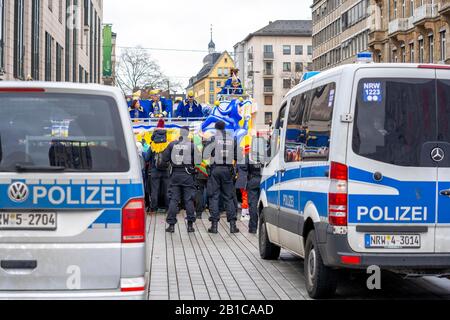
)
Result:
{"points": [[249, 174], [224, 149], [181, 154]]}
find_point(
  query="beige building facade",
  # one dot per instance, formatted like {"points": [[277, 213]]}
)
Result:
{"points": [[271, 61], [415, 31], [51, 40], [340, 30]]}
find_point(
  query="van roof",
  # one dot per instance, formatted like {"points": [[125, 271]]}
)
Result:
{"points": [[59, 86], [358, 66]]}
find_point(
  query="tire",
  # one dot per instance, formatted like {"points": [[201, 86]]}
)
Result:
{"points": [[267, 250], [321, 281]]}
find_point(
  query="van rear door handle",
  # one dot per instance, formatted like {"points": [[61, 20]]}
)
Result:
{"points": [[18, 265], [445, 193]]}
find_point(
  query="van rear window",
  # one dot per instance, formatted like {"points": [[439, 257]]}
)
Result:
{"points": [[70, 131], [394, 118]]}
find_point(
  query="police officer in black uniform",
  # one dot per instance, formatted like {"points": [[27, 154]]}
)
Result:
{"points": [[251, 172], [180, 155], [223, 148]]}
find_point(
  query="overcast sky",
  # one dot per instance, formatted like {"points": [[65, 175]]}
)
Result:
{"points": [[185, 24]]}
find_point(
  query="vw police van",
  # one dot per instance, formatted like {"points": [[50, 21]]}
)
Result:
{"points": [[359, 173], [72, 222]]}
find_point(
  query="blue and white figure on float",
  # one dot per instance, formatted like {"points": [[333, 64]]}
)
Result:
{"points": [[233, 86], [231, 113]]}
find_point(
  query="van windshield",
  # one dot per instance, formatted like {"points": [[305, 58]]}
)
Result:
{"points": [[67, 132], [394, 118]]}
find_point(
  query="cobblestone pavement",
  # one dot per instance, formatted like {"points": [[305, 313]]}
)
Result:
{"points": [[201, 266]]}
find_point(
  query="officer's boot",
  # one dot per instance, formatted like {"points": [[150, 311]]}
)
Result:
{"points": [[190, 227], [171, 229], [233, 228], [214, 228]]}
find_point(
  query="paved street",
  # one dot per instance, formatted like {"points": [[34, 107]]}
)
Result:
{"points": [[228, 267]]}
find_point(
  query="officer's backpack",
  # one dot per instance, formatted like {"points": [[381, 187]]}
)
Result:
{"points": [[160, 164]]}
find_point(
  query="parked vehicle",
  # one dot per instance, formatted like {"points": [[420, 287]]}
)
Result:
{"points": [[360, 173]]}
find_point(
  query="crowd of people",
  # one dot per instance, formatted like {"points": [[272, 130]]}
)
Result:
{"points": [[173, 183], [190, 108]]}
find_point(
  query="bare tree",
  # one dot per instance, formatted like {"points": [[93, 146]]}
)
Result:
{"points": [[137, 70]]}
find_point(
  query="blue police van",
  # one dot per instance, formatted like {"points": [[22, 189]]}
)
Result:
{"points": [[359, 173], [72, 217]]}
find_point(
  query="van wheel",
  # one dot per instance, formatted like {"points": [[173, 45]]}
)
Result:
{"points": [[321, 281], [267, 250]]}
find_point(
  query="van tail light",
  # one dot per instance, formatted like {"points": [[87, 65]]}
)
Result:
{"points": [[338, 195], [434, 66], [133, 222], [22, 90]]}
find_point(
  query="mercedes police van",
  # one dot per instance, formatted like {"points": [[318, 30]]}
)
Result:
{"points": [[359, 173], [72, 221]]}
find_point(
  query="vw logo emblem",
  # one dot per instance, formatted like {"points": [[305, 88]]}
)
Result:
{"points": [[437, 155], [18, 192]]}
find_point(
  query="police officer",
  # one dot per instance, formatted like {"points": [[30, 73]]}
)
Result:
{"points": [[251, 172], [223, 149], [180, 155]]}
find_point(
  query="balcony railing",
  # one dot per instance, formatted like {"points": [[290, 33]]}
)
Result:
{"points": [[268, 89], [250, 56], [268, 72], [268, 55], [427, 11], [400, 25]]}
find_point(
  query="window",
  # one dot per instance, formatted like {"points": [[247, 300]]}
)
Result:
{"points": [[411, 52], [310, 50], [59, 55], [226, 72], [212, 99], [219, 84], [394, 128], [421, 51], [298, 67], [443, 45], [317, 121], [299, 50], [411, 8], [220, 72], [268, 52], [2, 17], [48, 57], [75, 42], [268, 68], [268, 118], [295, 133], [430, 48], [65, 130], [268, 100], [403, 53], [67, 59], [211, 86], [279, 124], [35, 39], [86, 12], [18, 39], [287, 83], [286, 66], [404, 8], [60, 11], [286, 50], [268, 85]]}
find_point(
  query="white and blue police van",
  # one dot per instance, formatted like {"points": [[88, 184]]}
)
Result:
{"points": [[359, 173], [72, 216]]}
